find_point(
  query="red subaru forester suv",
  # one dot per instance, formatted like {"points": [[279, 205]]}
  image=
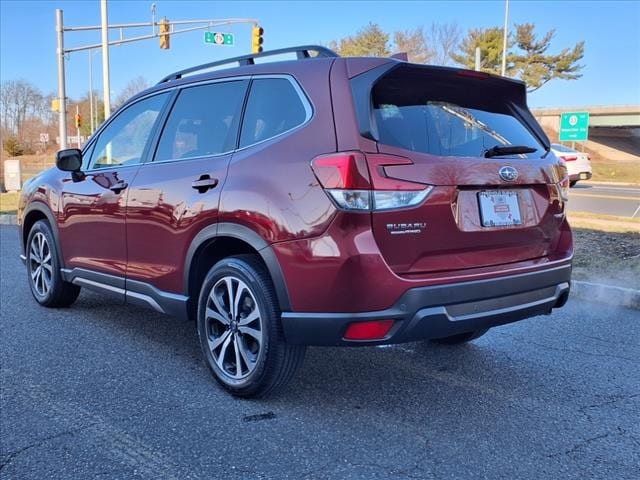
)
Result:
{"points": [[314, 201]]}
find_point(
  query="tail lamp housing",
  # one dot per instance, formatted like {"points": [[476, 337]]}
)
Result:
{"points": [[359, 182]]}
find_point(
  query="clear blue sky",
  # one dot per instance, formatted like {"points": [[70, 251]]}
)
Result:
{"points": [[611, 30]]}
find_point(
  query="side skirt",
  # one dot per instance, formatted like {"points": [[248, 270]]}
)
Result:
{"points": [[129, 291]]}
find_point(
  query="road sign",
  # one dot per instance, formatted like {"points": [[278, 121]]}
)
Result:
{"points": [[574, 126], [218, 38], [44, 137]]}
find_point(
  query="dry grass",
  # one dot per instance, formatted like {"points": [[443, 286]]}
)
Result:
{"points": [[8, 203], [607, 257], [604, 223], [625, 172]]}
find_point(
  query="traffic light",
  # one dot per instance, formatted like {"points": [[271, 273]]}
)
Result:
{"points": [[164, 34], [256, 39], [78, 120]]}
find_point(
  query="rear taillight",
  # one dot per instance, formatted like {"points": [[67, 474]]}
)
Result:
{"points": [[571, 158], [563, 187], [356, 181]]}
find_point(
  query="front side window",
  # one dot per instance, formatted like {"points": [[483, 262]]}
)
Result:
{"points": [[274, 107], [123, 141], [204, 121]]}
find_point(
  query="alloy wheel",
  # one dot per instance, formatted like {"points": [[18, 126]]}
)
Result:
{"points": [[40, 264], [234, 327]]}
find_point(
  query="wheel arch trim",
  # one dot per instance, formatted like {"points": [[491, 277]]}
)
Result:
{"points": [[46, 211], [250, 237]]}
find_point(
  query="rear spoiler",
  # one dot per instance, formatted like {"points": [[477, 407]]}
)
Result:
{"points": [[513, 91]]}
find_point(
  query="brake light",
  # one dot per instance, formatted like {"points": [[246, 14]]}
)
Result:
{"points": [[371, 330], [569, 158], [356, 181], [472, 74]]}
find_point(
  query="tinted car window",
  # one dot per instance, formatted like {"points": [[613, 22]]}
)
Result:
{"points": [[562, 148], [122, 142], [446, 120], [274, 107], [203, 121]]}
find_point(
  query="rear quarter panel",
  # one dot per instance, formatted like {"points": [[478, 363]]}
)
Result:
{"points": [[270, 187]]}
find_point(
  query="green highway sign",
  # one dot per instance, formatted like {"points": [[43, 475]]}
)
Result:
{"points": [[574, 126], [218, 38]]}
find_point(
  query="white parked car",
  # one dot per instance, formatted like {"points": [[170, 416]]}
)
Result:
{"points": [[578, 163]]}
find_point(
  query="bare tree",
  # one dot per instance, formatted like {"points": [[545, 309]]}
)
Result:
{"points": [[444, 39], [134, 86], [415, 45], [19, 100]]}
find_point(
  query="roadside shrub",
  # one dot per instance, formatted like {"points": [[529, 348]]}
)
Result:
{"points": [[13, 147]]}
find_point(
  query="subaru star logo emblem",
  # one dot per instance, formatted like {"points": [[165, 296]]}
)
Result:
{"points": [[508, 174]]}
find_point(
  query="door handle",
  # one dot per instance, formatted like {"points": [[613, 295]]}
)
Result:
{"points": [[118, 187], [204, 183]]}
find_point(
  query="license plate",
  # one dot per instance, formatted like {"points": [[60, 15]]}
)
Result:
{"points": [[584, 176], [499, 208]]}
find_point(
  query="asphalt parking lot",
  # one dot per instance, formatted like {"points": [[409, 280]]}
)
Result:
{"points": [[104, 390]]}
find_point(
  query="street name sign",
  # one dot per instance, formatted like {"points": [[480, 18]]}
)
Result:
{"points": [[218, 38]]}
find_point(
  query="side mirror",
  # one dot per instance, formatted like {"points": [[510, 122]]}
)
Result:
{"points": [[69, 160]]}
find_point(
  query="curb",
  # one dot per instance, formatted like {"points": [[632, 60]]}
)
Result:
{"points": [[610, 294], [6, 219]]}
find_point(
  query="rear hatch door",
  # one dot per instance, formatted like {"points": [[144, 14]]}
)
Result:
{"points": [[484, 209]]}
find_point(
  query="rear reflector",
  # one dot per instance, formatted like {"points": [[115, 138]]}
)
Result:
{"points": [[371, 330]]}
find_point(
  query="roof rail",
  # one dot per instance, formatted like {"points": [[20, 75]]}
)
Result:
{"points": [[301, 53]]}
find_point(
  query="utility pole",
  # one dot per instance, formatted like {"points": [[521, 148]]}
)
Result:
{"points": [[105, 59], [62, 112], [505, 34], [91, 121], [183, 27], [478, 59]]}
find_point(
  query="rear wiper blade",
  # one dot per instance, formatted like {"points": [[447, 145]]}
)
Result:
{"points": [[508, 150]]}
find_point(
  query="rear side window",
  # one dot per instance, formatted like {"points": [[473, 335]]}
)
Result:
{"points": [[203, 121], [455, 118], [274, 107]]}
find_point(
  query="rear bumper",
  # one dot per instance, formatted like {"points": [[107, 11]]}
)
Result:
{"points": [[440, 311]]}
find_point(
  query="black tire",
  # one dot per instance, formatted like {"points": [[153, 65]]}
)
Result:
{"points": [[266, 362], [43, 269], [572, 183], [460, 338]]}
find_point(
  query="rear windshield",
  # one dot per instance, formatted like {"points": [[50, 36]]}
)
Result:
{"points": [[457, 118]]}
